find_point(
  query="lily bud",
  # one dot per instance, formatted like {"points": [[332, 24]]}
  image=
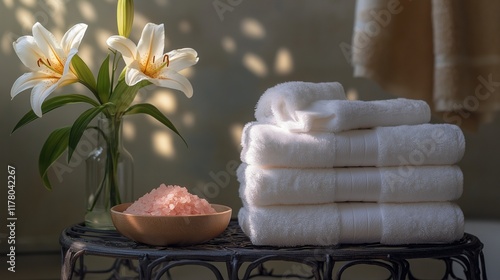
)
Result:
{"points": [[125, 16]]}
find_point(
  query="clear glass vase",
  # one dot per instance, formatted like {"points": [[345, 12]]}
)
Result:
{"points": [[110, 174]]}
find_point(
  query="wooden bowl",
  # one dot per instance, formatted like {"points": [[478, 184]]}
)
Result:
{"points": [[171, 230]]}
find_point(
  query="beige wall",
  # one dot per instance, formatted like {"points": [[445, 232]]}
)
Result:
{"points": [[255, 46]]}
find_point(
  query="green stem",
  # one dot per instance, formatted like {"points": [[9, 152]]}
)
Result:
{"points": [[109, 183], [102, 185], [97, 193], [114, 154], [116, 60]]}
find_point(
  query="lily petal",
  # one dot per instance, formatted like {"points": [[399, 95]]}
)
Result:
{"points": [[151, 43], [125, 46], [172, 79], [28, 52], [73, 37], [44, 88], [67, 64], [40, 92], [47, 43], [182, 58], [26, 81], [134, 75]]}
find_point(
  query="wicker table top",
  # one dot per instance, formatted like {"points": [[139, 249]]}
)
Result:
{"points": [[234, 248]]}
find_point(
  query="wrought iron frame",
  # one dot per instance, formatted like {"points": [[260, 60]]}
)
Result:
{"points": [[234, 249]]}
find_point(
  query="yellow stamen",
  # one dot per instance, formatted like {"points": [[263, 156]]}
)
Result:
{"points": [[47, 64], [153, 70], [168, 59]]}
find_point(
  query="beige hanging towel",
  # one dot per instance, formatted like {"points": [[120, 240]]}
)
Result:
{"points": [[446, 52]]}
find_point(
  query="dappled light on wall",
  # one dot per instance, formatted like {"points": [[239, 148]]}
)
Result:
{"points": [[255, 64], [188, 119], [235, 130], [28, 3], [140, 21], [54, 7], [188, 72], [87, 10], [283, 63], [6, 44], [8, 3], [185, 26], [162, 3], [228, 44], [164, 100], [128, 130], [252, 28], [86, 52], [101, 35], [163, 144], [25, 18], [352, 94]]}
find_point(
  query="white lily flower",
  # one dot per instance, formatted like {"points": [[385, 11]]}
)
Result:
{"points": [[146, 61], [49, 62]]}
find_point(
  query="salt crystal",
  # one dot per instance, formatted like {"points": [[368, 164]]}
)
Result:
{"points": [[169, 201]]}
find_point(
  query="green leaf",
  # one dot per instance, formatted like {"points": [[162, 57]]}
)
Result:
{"points": [[122, 74], [55, 103], [123, 95], [103, 81], [146, 108], [54, 146], [80, 125], [83, 72]]}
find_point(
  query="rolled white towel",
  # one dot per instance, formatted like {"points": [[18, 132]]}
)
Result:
{"points": [[355, 223], [341, 115], [270, 186], [280, 103], [424, 144]]}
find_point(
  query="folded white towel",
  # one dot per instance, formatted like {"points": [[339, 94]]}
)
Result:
{"points": [[262, 186], [328, 224], [341, 115], [280, 103], [424, 144]]}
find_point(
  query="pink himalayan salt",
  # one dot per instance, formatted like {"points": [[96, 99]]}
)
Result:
{"points": [[169, 201]]}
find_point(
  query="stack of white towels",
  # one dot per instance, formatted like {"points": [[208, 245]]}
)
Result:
{"points": [[322, 170]]}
